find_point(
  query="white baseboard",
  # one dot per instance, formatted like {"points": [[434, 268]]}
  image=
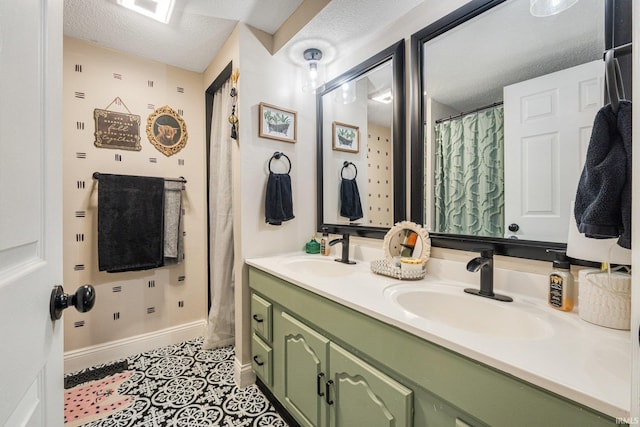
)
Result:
{"points": [[243, 375], [87, 357]]}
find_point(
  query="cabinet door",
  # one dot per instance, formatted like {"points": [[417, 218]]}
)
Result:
{"points": [[305, 362], [360, 395]]}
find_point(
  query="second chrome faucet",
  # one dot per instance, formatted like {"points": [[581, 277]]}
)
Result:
{"points": [[484, 263]]}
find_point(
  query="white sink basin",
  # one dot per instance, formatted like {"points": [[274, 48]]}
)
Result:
{"points": [[453, 307], [324, 267]]}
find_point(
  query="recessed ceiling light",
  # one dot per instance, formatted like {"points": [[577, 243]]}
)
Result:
{"points": [[160, 10], [383, 96]]}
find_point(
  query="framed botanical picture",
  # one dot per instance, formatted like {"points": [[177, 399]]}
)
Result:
{"points": [[346, 137], [277, 123], [166, 130]]}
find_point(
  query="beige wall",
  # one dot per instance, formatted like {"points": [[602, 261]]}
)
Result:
{"points": [[132, 303]]}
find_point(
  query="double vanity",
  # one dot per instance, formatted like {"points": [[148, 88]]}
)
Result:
{"points": [[338, 345]]}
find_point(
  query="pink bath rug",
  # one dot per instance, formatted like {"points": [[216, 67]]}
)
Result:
{"points": [[94, 400]]}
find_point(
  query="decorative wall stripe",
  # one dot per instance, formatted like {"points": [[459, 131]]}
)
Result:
{"points": [[116, 315], [116, 289], [150, 83], [151, 107], [80, 125], [181, 278], [152, 283], [78, 68], [78, 267], [118, 157], [180, 162], [117, 76], [180, 112], [79, 237], [78, 324], [81, 155], [181, 304], [180, 89], [80, 185], [151, 310], [80, 214], [79, 95], [153, 160]]}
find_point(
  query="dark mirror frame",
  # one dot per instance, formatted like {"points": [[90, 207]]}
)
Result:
{"points": [[509, 247], [395, 53]]}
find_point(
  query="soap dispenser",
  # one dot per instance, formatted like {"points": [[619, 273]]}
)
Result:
{"points": [[325, 249], [561, 283]]}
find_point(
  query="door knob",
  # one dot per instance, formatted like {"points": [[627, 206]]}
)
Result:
{"points": [[83, 300], [514, 227]]}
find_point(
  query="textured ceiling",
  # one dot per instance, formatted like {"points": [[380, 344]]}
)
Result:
{"points": [[193, 37], [199, 28], [468, 66]]}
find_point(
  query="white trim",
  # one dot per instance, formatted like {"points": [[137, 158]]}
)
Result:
{"points": [[243, 375], [76, 360]]}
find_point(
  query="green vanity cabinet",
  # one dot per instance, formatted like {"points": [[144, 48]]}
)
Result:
{"points": [[379, 375], [322, 384], [261, 335]]}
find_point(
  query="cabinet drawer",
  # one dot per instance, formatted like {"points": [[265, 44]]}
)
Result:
{"points": [[261, 362], [261, 316]]}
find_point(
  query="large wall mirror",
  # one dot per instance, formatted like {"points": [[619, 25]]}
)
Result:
{"points": [[361, 140], [506, 106]]}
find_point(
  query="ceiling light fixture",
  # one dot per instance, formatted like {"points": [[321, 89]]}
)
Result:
{"points": [[543, 8], [313, 77], [160, 10], [384, 96]]}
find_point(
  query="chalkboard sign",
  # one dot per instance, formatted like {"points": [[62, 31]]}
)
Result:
{"points": [[117, 130]]}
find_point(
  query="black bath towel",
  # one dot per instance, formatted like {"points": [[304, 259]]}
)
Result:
{"points": [[603, 199], [130, 223], [350, 205], [278, 205]]}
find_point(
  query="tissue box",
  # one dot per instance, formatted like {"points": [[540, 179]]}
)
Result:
{"points": [[605, 298]]}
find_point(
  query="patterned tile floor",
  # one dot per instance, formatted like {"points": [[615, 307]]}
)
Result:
{"points": [[183, 385]]}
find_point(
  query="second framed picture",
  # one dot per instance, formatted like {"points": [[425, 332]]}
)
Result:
{"points": [[277, 123], [346, 137]]}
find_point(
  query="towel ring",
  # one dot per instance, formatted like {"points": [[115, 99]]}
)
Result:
{"points": [[613, 76], [277, 156], [346, 164]]}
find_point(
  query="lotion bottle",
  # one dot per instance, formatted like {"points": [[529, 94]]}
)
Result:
{"points": [[561, 283], [325, 249]]}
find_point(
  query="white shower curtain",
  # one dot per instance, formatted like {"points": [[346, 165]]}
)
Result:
{"points": [[221, 325]]}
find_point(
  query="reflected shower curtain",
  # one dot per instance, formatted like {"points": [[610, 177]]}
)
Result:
{"points": [[221, 325], [469, 174]]}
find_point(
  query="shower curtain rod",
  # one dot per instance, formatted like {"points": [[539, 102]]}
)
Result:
{"points": [[96, 175], [486, 107]]}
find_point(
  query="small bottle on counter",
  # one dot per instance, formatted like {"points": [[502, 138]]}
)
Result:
{"points": [[324, 242], [312, 247], [561, 283]]}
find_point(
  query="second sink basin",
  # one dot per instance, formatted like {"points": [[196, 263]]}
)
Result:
{"points": [[453, 307]]}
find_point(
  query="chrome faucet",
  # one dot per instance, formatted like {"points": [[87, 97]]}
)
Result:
{"points": [[345, 249], [484, 263]]}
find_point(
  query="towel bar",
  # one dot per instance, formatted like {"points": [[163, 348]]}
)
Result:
{"points": [[96, 175]]}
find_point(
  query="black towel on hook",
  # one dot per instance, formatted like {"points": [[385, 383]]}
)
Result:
{"points": [[603, 199], [350, 205], [130, 223], [278, 206]]}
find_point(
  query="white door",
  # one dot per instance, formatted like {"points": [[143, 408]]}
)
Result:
{"points": [[31, 345], [547, 126]]}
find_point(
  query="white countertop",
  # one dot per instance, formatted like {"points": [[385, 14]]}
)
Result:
{"points": [[581, 361]]}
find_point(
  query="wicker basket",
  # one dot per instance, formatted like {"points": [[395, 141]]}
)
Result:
{"points": [[605, 298], [384, 267]]}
